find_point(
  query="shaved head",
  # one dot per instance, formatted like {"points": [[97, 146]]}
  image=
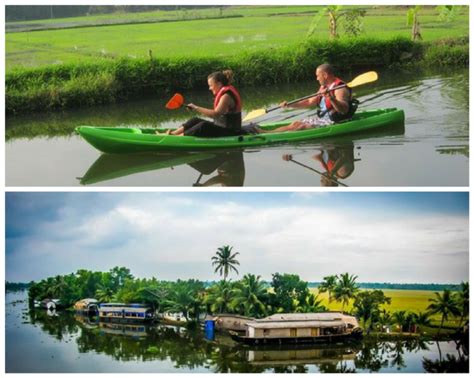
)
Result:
{"points": [[326, 68]]}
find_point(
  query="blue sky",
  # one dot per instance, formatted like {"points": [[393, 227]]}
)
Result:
{"points": [[380, 237]]}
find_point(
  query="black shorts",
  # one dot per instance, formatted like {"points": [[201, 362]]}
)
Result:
{"points": [[206, 129]]}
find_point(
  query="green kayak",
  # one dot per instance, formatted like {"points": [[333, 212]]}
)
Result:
{"points": [[129, 140]]}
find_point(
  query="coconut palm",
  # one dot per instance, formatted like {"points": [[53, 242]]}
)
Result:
{"points": [[445, 305], [367, 307], [219, 297], [384, 319], [104, 294], [345, 289], [311, 303], [463, 302], [421, 319], [225, 261], [250, 296], [400, 318], [328, 286]]}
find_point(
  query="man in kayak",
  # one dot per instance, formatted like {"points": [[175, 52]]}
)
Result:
{"points": [[335, 105], [226, 114]]}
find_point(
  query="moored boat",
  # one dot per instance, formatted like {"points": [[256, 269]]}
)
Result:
{"points": [[87, 306], [325, 327], [132, 140], [125, 313]]}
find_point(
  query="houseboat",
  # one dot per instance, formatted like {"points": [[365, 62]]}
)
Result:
{"points": [[230, 322], [324, 327], [87, 306], [125, 313]]}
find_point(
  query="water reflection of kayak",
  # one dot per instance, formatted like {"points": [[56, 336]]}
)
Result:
{"points": [[229, 166], [108, 167], [130, 140]]}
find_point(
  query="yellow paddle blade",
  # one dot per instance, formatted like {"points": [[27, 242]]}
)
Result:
{"points": [[254, 114], [365, 78]]}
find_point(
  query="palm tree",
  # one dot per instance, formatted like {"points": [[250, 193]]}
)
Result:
{"points": [[421, 319], [346, 289], [399, 318], [104, 294], [250, 296], [328, 285], [311, 304], [225, 261], [384, 319], [444, 304], [219, 297], [463, 302]]}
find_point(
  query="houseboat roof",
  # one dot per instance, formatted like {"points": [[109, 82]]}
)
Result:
{"points": [[128, 305], [88, 301], [236, 316], [126, 308], [295, 324], [322, 316]]}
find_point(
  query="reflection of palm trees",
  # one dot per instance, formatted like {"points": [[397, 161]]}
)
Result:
{"points": [[450, 364], [223, 360], [372, 356], [397, 356]]}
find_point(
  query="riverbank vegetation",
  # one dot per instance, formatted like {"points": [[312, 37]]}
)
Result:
{"points": [[445, 312], [71, 68]]}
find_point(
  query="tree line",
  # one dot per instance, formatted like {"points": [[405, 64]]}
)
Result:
{"points": [[43, 12], [250, 296]]}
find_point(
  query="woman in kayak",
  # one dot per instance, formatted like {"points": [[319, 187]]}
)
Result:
{"points": [[335, 105], [226, 114]]}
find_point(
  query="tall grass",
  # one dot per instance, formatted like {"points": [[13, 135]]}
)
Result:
{"points": [[86, 84]]}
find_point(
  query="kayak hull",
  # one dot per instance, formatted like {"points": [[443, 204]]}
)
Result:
{"points": [[118, 140]]}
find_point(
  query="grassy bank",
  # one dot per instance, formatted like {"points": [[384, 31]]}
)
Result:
{"points": [[87, 84]]}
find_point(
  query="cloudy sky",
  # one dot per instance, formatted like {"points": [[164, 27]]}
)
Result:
{"points": [[380, 237]]}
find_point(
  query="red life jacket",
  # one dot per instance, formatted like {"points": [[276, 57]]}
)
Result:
{"points": [[235, 95], [323, 88]]}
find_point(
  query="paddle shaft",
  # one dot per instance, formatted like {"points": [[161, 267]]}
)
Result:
{"points": [[315, 170], [306, 97]]}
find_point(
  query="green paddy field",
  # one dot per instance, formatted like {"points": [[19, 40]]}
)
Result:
{"points": [[402, 300], [197, 33]]}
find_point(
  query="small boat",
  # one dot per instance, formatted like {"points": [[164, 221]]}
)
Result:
{"points": [[125, 313], [311, 328], [118, 140], [87, 306]]}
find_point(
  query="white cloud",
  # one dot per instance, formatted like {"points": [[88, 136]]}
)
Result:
{"points": [[176, 237]]}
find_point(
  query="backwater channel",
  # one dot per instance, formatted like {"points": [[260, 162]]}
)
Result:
{"points": [[38, 342], [431, 150]]}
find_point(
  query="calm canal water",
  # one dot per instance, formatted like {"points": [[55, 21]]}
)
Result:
{"points": [[432, 149], [66, 344]]}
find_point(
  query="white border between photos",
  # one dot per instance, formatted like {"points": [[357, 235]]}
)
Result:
{"points": [[243, 189]]}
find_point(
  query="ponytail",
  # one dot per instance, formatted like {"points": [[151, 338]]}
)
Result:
{"points": [[225, 77]]}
